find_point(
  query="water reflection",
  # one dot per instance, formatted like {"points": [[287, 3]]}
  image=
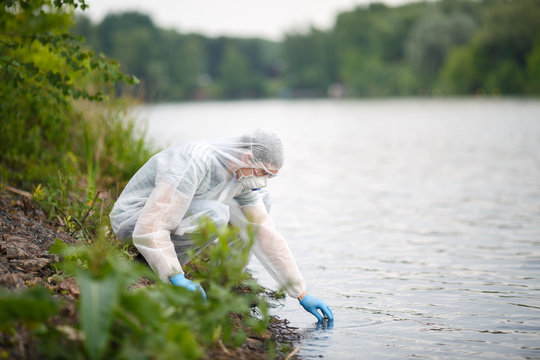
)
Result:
{"points": [[318, 338], [325, 324]]}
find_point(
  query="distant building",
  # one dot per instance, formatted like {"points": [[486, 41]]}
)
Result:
{"points": [[337, 90]]}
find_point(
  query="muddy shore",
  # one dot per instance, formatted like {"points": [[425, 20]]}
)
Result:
{"points": [[25, 261]]}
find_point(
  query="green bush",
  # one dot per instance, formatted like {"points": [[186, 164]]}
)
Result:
{"points": [[43, 68], [60, 139], [119, 320], [160, 320]]}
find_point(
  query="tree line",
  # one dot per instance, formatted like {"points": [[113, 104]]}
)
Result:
{"points": [[446, 47]]}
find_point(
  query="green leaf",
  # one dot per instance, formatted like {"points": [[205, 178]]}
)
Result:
{"points": [[58, 247], [31, 305], [146, 311], [132, 80], [239, 338], [98, 300], [181, 341]]}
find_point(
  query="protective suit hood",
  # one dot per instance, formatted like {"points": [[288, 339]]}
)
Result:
{"points": [[263, 147]]}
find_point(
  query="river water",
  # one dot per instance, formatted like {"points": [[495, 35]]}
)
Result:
{"points": [[416, 220]]}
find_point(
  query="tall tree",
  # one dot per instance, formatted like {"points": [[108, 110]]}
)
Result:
{"points": [[498, 57], [310, 64], [236, 77]]}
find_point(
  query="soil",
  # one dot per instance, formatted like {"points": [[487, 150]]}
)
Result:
{"points": [[25, 239], [25, 261]]}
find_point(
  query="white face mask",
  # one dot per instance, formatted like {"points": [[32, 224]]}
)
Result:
{"points": [[252, 182]]}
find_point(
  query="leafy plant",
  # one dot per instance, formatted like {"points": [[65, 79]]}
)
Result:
{"points": [[31, 306], [161, 320], [43, 68]]}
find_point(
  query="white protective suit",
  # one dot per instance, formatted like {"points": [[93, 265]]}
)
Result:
{"points": [[163, 202]]}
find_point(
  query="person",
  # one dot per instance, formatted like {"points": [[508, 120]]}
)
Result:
{"points": [[161, 207]]}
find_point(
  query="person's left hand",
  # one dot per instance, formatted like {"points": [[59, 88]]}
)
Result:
{"points": [[312, 304], [180, 280]]}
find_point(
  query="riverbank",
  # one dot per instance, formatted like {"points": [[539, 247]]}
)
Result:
{"points": [[25, 262]]}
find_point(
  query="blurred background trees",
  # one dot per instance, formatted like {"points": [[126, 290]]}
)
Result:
{"points": [[446, 47]]}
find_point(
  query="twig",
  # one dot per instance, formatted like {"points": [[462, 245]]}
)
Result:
{"points": [[90, 208], [75, 220], [223, 347], [293, 352], [17, 191], [78, 223]]}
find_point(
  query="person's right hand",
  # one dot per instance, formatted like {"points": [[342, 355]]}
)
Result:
{"points": [[180, 280], [311, 304]]}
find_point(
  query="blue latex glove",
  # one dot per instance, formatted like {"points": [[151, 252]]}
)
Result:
{"points": [[180, 280], [312, 304]]}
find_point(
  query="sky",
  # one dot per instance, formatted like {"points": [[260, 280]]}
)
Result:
{"points": [[243, 18]]}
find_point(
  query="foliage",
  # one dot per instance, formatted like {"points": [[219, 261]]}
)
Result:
{"points": [[107, 151], [42, 68], [236, 77], [420, 48], [58, 135], [119, 320], [432, 38], [533, 69], [33, 305], [310, 65], [500, 57], [176, 66]]}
